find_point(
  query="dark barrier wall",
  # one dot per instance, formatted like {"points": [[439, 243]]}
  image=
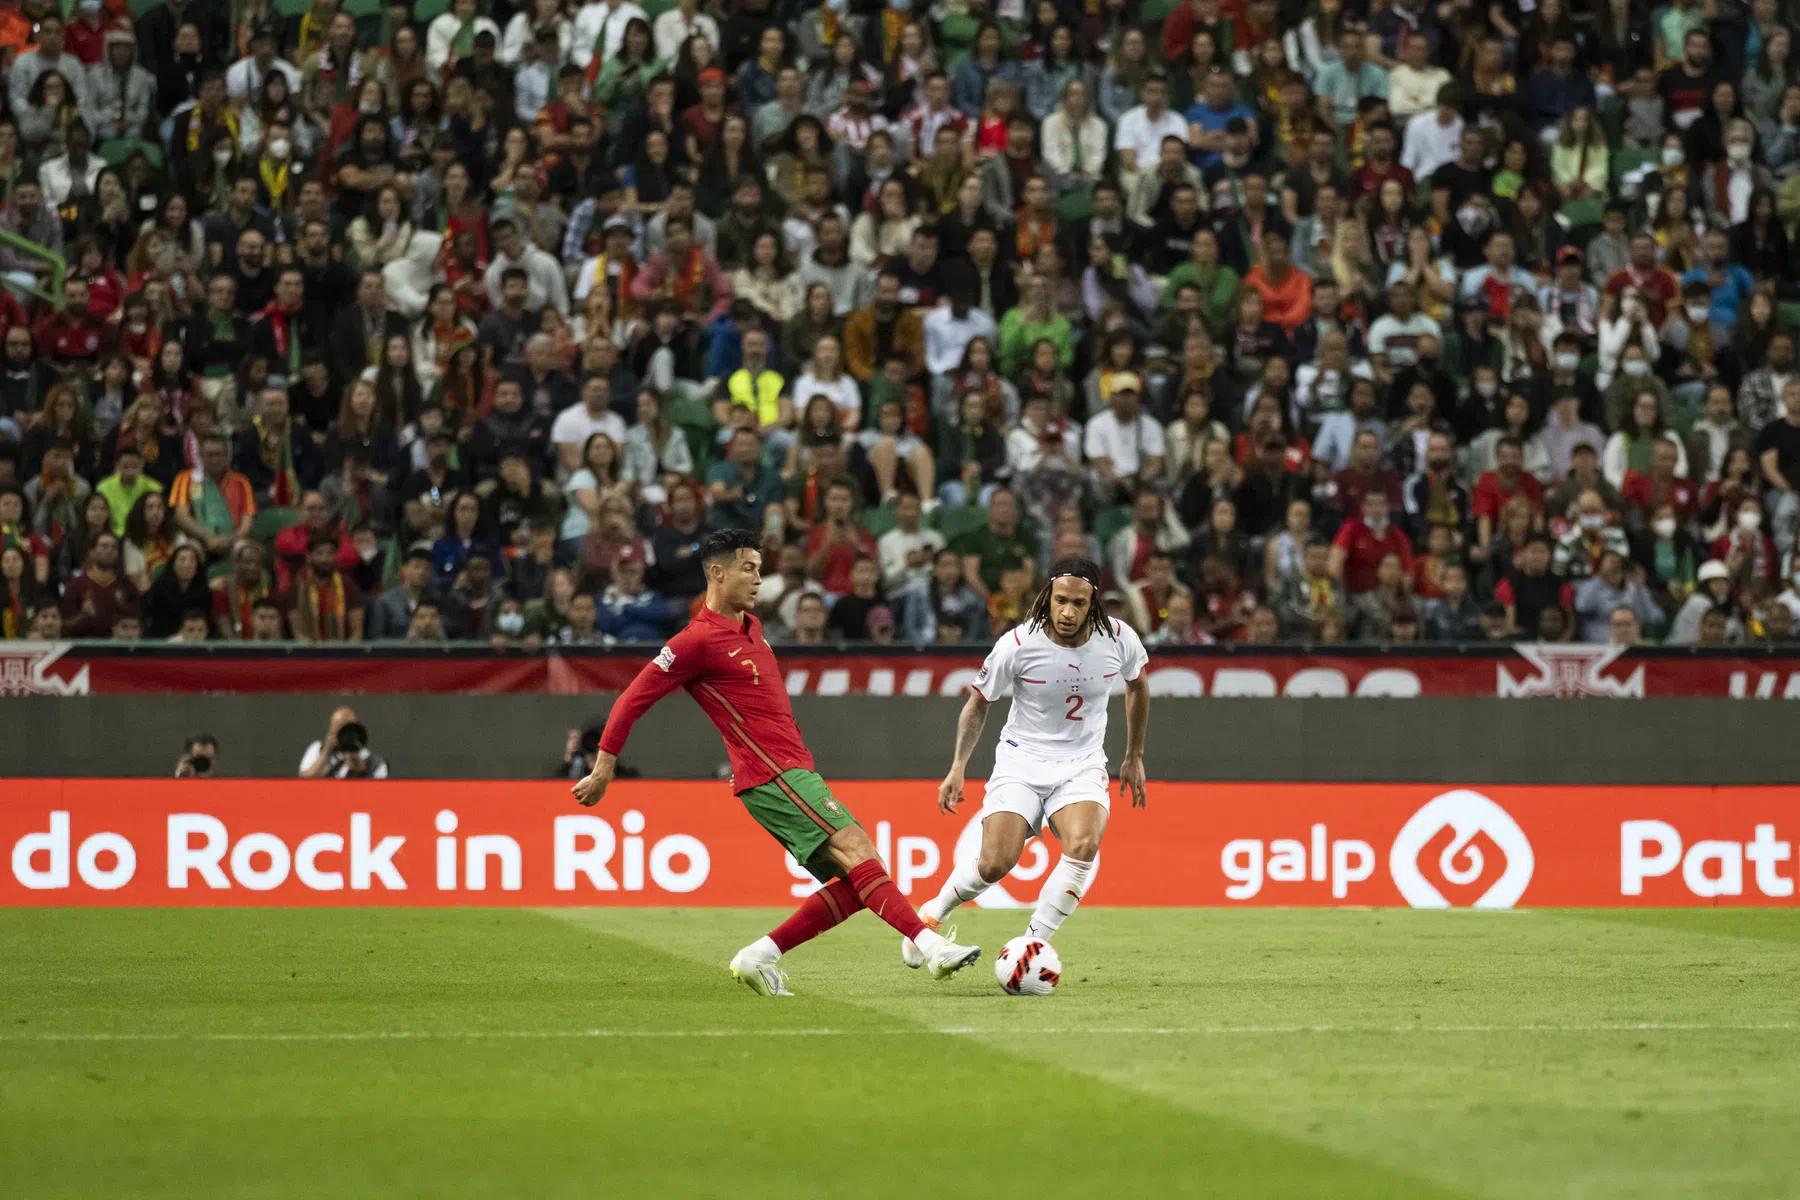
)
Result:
{"points": [[1483, 740]]}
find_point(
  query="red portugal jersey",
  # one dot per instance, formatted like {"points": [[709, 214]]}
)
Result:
{"points": [[729, 670]]}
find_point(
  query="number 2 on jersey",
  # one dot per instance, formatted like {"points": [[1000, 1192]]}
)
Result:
{"points": [[1074, 713]]}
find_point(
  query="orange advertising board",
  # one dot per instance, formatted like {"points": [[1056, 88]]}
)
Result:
{"points": [[295, 843]]}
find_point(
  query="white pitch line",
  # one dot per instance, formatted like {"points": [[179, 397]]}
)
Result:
{"points": [[947, 1031]]}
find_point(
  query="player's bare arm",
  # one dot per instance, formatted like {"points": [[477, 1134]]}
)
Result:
{"points": [[1137, 725], [968, 732], [593, 787]]}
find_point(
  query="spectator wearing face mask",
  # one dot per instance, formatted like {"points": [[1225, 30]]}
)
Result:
{"points": [[1591, 536], [1364, 540]]}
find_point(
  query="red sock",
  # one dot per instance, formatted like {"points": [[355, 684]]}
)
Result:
{"points": [[825, 908], [879, 895]]}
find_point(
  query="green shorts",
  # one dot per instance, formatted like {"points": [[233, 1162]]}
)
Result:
{"points": [[798, 811]]}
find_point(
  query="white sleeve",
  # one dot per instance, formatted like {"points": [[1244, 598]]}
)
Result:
{"points": [[1153, 439], [311, 757], [1378, 335], [996, 678], [1132, 656]]}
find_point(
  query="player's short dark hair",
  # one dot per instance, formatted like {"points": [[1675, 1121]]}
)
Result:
{"points": [[726, 543]]}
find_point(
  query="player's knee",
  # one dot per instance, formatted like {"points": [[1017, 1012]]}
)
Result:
{"points": [[1081, 846], [995, 864], [850, 846]]}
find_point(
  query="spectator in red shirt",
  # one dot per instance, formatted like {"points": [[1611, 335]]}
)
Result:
{"points": [[74, 337], [323, 604], [1379, 165], [1363, 541], [1364, 475], [1496, 487], [95, 599], [1286, 289], [292, 544], [1747, 551], [834, 544], [1654, 283], [1643, 493]]}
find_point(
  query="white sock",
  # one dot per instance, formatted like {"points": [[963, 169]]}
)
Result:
{"points": [[929, 942], [965, 884], [1062, 892], [764, 947]]}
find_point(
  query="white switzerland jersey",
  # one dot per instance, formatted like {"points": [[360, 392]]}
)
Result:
{"points": [[1058, 694]]}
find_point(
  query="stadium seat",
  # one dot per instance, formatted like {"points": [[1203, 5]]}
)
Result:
{"points": [[954, 522], [1109, 521], [270, 521], [878, 521]]}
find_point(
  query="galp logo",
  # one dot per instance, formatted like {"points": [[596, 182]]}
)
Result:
{"points": [[1448, 850]]}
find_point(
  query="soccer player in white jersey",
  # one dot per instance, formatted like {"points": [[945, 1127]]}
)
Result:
{"points": [[1058, 665]]}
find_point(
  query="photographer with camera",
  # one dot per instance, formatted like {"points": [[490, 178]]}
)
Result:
{"points": [[199, 758], [343, 753], [578, 755]]}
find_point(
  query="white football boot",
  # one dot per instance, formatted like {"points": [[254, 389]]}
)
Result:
{"points": [[760, 973], [910, 954]]}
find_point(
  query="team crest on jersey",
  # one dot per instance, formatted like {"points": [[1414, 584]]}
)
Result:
{"points": [[982, 678], [666, 659]]}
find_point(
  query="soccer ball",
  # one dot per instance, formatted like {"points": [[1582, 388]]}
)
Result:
{"points": [[1028, 966]]}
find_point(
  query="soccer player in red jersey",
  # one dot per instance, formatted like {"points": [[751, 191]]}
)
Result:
{"points": [[729, 670]]}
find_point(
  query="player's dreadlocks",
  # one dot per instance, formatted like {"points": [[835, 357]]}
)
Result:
{"points": [[1085, 570]]}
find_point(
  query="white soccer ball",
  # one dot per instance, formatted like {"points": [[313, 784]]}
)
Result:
{"points": [[1028, 966]]}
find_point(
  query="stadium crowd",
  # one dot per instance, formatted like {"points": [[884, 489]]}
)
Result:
{"points": [[1311, 321]]}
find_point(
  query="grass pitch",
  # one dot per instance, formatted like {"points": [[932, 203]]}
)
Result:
{"points": [[606, 1052]]}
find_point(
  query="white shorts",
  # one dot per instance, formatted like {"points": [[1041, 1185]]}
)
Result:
{"points": [[1037, 789]]}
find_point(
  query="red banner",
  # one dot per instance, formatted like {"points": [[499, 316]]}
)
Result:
{"points": [[1522, 669], [291, 843]]}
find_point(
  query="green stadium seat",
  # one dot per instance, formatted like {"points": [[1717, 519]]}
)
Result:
{"points": [[1790, 313], [878, 521], [270, 521], [686, 408], [427, 11], [954, 522], [1582, 213], [117, 150], [1109, 521], [1628, 159]]}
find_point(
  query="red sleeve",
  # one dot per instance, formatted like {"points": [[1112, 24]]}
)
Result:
{"points": [[649, 280], [680, 660], [1346, 534], [293, 539], [1566, 597], [1486, 502], [1503, 593], [1402, 545]]}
